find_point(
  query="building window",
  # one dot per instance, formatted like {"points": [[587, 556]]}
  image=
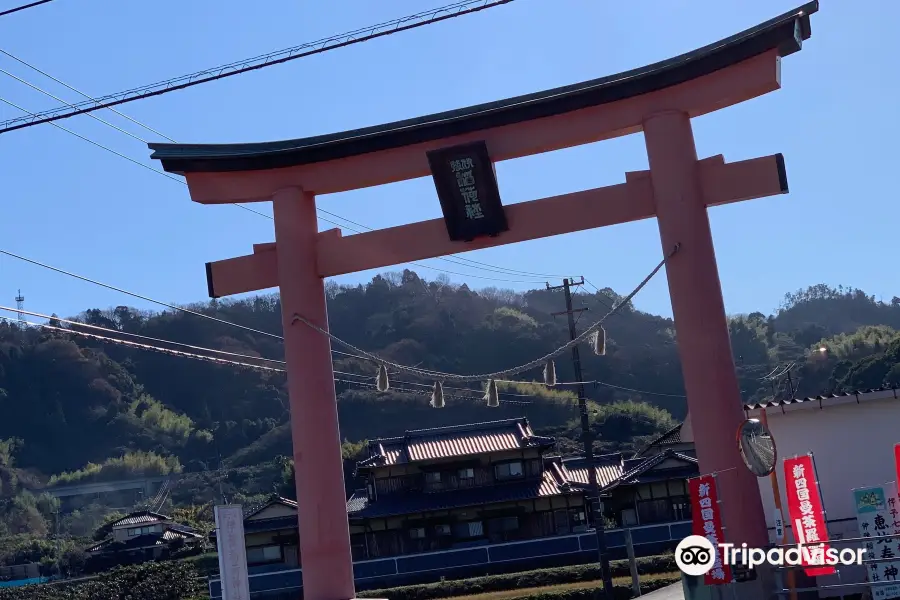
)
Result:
{"points": [[504, 524], [433, 477], [442, 530], [263, 554], [135, 531], [629, 518], [417, 533], [472, 529], [510, 470], [654, 511], [466, 474]]}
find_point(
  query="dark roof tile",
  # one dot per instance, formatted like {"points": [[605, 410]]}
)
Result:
{"points": [[454, 441]]}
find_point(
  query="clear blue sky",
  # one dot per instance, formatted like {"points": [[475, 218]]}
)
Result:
{"points": [[75, 206]]}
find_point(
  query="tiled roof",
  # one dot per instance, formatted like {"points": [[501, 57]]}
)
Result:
{"points": [[609, 468], [358, 505], [168, 535], [273, 499], [143, 517], [886, 391], [635, 468], [454, 441], [669, 438]]}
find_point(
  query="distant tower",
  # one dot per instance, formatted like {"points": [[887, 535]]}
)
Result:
{"points": [[20, 306]]}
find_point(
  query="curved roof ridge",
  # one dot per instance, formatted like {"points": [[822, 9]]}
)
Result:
{"points": [[784, 33]]}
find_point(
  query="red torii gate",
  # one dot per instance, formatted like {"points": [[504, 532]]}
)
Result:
{"points": [[659, 100]]}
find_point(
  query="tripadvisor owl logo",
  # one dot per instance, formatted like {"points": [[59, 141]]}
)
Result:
{"points": [[695, 555]]}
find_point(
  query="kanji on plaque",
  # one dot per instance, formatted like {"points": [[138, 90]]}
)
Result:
{"points": [[805, 510], [707, 520], [876, 517]]}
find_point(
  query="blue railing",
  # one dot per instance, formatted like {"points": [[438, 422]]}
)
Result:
{"points": [[549, 551], [21, 582]]}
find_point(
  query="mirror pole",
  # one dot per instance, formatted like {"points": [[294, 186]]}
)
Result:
{"points": [[780, 540]]}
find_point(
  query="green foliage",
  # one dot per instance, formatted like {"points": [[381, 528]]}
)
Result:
{"points": [[866, 340], [89, 410], [128, 466], [514, 581], [174, 580]]}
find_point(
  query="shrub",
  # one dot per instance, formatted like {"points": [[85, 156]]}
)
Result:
{"points": [[149, 581], [529, 579]]}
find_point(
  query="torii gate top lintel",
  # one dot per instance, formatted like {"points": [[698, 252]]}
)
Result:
{"points": [[695, 83]]}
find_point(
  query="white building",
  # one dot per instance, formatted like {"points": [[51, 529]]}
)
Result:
{"points": [[852, 438]]}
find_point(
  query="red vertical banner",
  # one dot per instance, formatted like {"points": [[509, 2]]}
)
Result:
{"points": [[807, 514], [897, 463], [707, 518]]}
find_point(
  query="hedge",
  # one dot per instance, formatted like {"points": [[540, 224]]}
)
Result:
{"points": [[149, 581], [527, 579]]}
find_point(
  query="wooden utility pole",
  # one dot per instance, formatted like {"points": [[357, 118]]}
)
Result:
{"points": [[588, 440]]}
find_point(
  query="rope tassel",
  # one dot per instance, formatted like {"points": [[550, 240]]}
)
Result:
{"points": [[598, 342], [437, 396], [381, 380], [550, 373], [490, 394]]}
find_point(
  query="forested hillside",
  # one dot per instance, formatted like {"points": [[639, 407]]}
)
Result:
{"points": [[77, 408]]}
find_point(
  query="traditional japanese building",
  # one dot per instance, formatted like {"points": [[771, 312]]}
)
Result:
{"points": [[482, 498], [140, 536]]}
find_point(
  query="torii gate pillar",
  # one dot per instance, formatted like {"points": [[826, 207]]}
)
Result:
{"points": [[710, 381], [325, 540]]}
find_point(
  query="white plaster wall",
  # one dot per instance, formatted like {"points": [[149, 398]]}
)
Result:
{"points": [[852, 440], [852, 444]]}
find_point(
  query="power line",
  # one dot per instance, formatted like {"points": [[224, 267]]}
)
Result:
{"points": [[77, 91], [498, 375], [203, 348], [443, 13], [455, 260], [57, 98], [415, 371], [154, 301], [99, 145], [142, 337], [224, 362], [23, 7], [139, 296], [167, 175], [626, 389]]}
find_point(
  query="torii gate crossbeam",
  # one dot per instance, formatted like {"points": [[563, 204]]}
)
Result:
{"points": [[659, 100]]}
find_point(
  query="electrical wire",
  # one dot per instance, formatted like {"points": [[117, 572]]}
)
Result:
{"points": [[642, 392], [221, 361], [458, 259], [139, 296], [583, 337], [212, 350], [241, 206], [23, 7], [99, 145], [158, 302], [443, 13], [57, 98], [77, 91], [138, 336]]}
